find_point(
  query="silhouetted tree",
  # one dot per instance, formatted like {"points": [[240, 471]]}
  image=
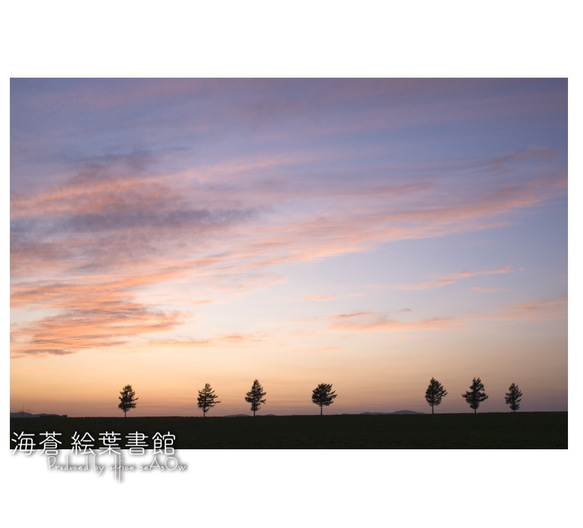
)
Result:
{"points": [[476, 394], [323, 395], [255, 396], [434, 393], [207, 399], [513, 397], [127, 399]]}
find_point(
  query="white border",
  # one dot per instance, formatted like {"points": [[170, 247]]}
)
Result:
{"points": [[306, 39]]}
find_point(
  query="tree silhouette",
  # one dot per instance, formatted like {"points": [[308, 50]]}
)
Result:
{"points": [[434, 393], [207, 399], [255, 396], [513, 397], [323, 395], [476, 394], [127, 399]]}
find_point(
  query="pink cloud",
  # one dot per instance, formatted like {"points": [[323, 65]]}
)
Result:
{"points": [[321, 297], [103, 325], [319, 350], [87, 316], [219, 340], [446, 280], [541, 308], [425, 285], [98, 226], [372, 321], [532, 311], [488, 289]]}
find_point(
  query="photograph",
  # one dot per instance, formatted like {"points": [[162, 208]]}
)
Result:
{"points": [[291, 264], [288, 263]]}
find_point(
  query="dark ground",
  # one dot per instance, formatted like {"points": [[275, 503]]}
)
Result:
{"points": [[421, 431]]}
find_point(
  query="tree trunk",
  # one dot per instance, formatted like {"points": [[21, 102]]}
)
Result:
{"points": [[320, 410], [432, 408]]}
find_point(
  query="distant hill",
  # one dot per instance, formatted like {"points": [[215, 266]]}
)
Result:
{"points": [[21, 414], [396, 412]]}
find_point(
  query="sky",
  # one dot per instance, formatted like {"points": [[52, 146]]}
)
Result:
{"points": [[368, 233]]}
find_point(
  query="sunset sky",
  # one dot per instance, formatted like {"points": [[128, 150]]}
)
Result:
{"points": [[369, 233]]}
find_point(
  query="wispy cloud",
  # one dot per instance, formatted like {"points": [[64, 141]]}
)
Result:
{"points": [[488, 289], [104, 325], [374, 321], [540, 310], [214, 341], [319, 297], [446, 280], [88, 316], [97, 241], [96, 224]]}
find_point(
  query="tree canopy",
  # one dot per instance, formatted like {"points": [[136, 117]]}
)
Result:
{"points": [[513, 397], [255, 396], [127, 399], [323, 395], [476, 394], [207, 399], [434, 393]]}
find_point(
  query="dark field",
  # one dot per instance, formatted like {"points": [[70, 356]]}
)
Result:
{"points": [[446, 431]]}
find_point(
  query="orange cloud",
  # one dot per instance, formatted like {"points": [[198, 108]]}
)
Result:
{"points": [[101, 326], [89, 316]]}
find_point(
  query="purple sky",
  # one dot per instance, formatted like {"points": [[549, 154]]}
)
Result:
{"points": [[369, 233]]}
